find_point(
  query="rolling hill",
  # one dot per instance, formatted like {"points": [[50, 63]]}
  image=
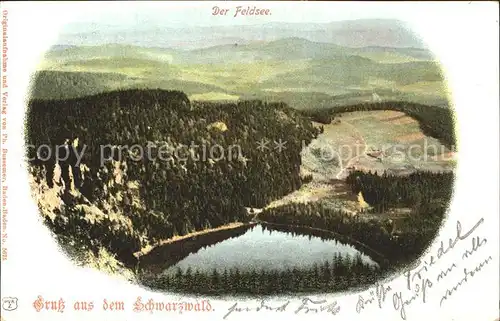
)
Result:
{"points": [[304, 72]]}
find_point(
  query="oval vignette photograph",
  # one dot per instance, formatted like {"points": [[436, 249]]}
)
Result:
{"points": [[229, 159]]}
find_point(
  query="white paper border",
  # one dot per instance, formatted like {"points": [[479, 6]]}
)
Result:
{"points": [[464, 37]]}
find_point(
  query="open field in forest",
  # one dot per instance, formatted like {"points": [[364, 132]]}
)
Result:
{"points": [[217, 96], [377, 141]]}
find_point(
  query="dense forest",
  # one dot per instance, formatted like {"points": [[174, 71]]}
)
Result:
{"points": [[167, 255], [426, 194], [434, 121], [416, 190], [52, 84], [156, 198], [124, 201], [159, 269], [337, 274]]}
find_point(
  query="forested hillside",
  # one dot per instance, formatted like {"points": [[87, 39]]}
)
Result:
{"points": [[130, 201], [426, 194], [419, 190]]}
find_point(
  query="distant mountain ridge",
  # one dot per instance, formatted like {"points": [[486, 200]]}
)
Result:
{"points": [[350, 33], [285, 48], [298, 71]]}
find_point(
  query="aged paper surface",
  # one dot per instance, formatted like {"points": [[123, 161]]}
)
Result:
{"points": [[234, 160]]}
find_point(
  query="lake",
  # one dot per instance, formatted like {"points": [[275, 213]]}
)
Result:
{"points": [[264, 248], [259, 259], [258, 247]]}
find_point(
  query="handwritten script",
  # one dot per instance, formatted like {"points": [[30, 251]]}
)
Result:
{"points": [[419, 280], [305, 306]]}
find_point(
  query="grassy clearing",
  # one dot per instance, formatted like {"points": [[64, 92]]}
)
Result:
{"points": [[423, 87], [353, 139], [403, 142], [325, 156], [408, 138], [389, 114], [388, 57], [213, 96], [402, 120]]}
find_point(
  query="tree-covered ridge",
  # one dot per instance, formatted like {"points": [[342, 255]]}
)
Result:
{"points": [[434, 121], [52, 84], [375, 234], [161, 198], [426, 194], [415, 190], [340, 273]]}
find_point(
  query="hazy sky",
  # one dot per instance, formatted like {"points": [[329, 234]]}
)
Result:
{"points": [[142, 14]]}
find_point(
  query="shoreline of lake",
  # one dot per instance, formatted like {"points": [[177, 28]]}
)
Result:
{"points": [[146, 250]]}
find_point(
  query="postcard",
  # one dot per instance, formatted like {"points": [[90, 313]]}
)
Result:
{"points": [[249, 160]]}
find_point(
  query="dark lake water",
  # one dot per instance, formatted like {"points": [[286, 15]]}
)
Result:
{"points": [[260, 248]]}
